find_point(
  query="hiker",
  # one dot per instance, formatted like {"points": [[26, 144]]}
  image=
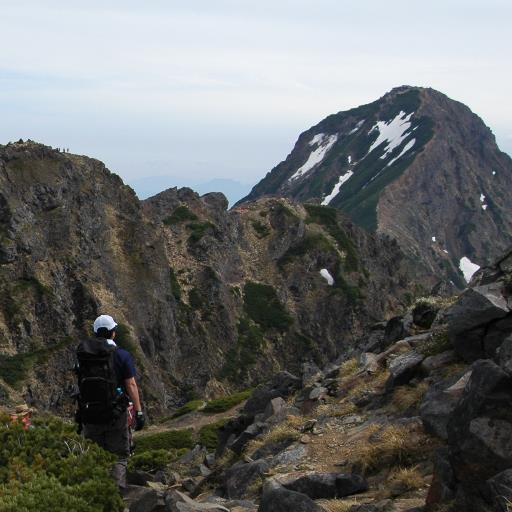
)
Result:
{"points": [[106, 381], [22, 415]]}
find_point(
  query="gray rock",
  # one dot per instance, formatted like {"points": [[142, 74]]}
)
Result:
{"points": [[435, 411], [209, 460], [469, 345], [291, 455], [418, 339], [403, 368], [480, 428], [318, 393], [499, 493], [251, 432], [496, 333], [424, 315], [369, 362], [311, 374], [442, 488], [197, 454], [176, 501], [378, 506], [438, 361], [280, 499], [504, 355], [275, 407], [204, 470], [283, 385], [241, 475], [323, 485], [140, 499], [476, 306]]}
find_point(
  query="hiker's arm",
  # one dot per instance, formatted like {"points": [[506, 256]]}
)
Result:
{"points": [[133, 392]]}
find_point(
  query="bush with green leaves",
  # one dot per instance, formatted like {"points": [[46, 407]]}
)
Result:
{"points": [[191, 406], [227, 402], [165, 440], [153, 460], [209, 434], [51, 468]]}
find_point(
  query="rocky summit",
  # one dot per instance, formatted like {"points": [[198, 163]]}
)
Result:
{"points": [[414, 165], [209, 300]]}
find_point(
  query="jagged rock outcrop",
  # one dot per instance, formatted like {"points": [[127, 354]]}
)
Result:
{"points": [[208, 298], [414, 165]]}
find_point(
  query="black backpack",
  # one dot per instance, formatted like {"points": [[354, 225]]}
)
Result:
{"points": [[100, 399]]}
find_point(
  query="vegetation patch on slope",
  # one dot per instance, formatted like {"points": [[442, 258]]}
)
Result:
{"points": [[263, 306]]}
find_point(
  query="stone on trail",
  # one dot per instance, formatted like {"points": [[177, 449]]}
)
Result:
{"points": [[176, 501], [403, 368], [279, 499]]}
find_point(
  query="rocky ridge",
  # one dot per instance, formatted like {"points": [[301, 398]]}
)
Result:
{"points": [[414, 165], [209, 300], [421, 422]]}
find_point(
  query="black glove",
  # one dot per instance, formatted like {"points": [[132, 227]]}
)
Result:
{"points": [[140, 420]]}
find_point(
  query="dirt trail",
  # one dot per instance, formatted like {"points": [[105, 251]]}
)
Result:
{"points": [[193, 420]]}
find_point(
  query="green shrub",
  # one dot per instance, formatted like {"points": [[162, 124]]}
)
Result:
{"points": [[180, 214], [198, 230], [327, 217], [51, 468], [261, 229], [310, 243], [209, 434], [227, 402], [191, 406], [262, 305], [14, 369], [437, 343], [165, 440], [244, 354], [175, 285], [151, 460], [124, 338]]}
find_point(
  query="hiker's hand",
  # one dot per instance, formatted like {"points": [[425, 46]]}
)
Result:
{"points": [[140, 420]]}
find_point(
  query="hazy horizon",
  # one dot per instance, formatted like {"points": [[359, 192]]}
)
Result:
{"points": [[207, 91]]}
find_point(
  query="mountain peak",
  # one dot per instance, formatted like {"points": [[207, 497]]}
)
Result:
{"points": [[415, 165]]}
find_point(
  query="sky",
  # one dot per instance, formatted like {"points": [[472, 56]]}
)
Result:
{"points": [[221, 89]]}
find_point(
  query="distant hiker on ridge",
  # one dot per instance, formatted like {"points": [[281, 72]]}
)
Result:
{"points": [[106, 380]]}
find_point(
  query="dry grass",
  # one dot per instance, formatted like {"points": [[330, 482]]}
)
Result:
{"points": [[337, 409], [338, 505], [281, 432], [354, 387], [436, 301], [455, 370], [387, 446], [407, 479], [405, 397], [349, 367]]}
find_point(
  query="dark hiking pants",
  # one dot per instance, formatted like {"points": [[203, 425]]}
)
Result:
{"points": [[114, 438]]}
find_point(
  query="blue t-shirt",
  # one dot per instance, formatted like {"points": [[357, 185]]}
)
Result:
{"points": [[124, 366]]}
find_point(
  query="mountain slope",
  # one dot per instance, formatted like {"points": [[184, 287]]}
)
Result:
{"points": [[414, 165], [209, 299]]}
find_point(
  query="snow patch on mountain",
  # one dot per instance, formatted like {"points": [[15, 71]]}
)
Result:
{"points": [[407, 147], [393, 132], [335, 191], [468, 268], [327, 276], [358, 125], [325, 143], [482, 200]]}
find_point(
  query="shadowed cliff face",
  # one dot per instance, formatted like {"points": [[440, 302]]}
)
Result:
{"points": [[208, 299], [414, 165]]}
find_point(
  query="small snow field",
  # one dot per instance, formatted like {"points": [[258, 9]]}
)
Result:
{"points": [[325, 143], [335, 191], [433, 239], [393, 132], [482, 200], [358, 125], [468, 268], [407, 147], [327, 276]]}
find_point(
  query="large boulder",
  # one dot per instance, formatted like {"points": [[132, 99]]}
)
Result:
{"points": [[241, 475], [323, 485], [404, 368], [176, 501], [477, 306], [499, 492], [283, 384], [480, 432], [141, 499], [496, 333], [279, 499]]}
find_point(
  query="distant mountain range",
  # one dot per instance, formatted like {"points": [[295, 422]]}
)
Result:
{"points": [[414, 165]]}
